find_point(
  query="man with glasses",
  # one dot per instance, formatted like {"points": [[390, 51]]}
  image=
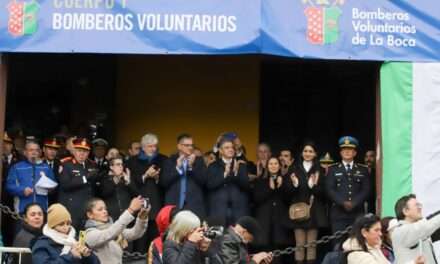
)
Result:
{"points": [[228, 186], [412, 236], [184, 178], [23, 177], [117, 188]]}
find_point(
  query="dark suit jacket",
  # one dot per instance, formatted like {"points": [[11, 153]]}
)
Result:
{"points": [[148, 188], [196, 179], [227, 192]]}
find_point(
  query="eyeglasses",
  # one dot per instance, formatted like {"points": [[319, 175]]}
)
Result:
{"points": [[187, 145], [118, 164]]}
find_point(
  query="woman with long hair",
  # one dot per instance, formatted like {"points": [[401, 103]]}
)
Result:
{"points": [[33, 220], [108, 239], [270, 210], [364, 243], [306, 185]]}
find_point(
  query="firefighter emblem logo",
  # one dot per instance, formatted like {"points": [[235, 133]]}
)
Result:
{"points": [[22, 17], [322, 20]]}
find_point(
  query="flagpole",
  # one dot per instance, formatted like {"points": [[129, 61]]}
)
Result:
{"points": [[3, 84]]}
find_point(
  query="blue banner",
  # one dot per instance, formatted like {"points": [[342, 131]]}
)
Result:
{"points": [[324, 29], [130, 26], [347, 29]]}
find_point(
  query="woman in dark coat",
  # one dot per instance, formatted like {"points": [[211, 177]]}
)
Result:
{"points": [[31, 230], [306, 184], [117, 188], [270, 210]]}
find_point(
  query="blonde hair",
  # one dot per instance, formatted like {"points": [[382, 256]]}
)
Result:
{"points": [[183, 223]]}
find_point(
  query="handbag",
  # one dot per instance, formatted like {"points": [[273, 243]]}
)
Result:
{"points": [[300, 211]]}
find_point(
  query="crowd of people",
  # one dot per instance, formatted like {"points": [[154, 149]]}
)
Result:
{"points": [[85, 202]]}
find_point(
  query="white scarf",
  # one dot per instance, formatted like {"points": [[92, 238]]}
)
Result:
{"points": [[67, 240]]}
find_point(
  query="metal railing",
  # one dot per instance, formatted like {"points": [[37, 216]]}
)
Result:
{"points": [[14, 250], [137, 256]]}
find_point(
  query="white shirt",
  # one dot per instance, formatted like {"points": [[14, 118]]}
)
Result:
{"points": [[346, 163], [9, 157], [227, 161], [307, 165]]}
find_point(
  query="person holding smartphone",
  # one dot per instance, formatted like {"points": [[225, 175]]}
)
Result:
{"points": [[146, 169], [108, 239]]}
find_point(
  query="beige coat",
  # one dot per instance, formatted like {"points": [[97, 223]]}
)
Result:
{"points": [[104, 244], [406, 238], [373, 256]]}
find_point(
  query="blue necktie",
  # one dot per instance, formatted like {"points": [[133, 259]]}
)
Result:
{"points": [[183, 180]]}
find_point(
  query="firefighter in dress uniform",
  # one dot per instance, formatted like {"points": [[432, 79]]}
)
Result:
{"points": [[77, 181]]}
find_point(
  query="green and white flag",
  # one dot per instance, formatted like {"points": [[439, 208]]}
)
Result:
{"points": [[410, 112]]}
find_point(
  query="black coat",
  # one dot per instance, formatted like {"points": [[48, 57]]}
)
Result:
{"points": [[303, 193], [117, 197], [148, 188], [227, 192], [24, 239], [186, 253], [270, 212], [233, 250], [196, 179], [73, 191], [342, 186]]}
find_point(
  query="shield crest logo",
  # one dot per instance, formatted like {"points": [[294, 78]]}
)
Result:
{"points": [[22, 17]]}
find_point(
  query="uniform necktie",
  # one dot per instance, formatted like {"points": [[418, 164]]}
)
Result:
{"points": [[348, 168]]}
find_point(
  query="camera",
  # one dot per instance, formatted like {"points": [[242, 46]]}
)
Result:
{"points": [[146, 202], [213, 232]]}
